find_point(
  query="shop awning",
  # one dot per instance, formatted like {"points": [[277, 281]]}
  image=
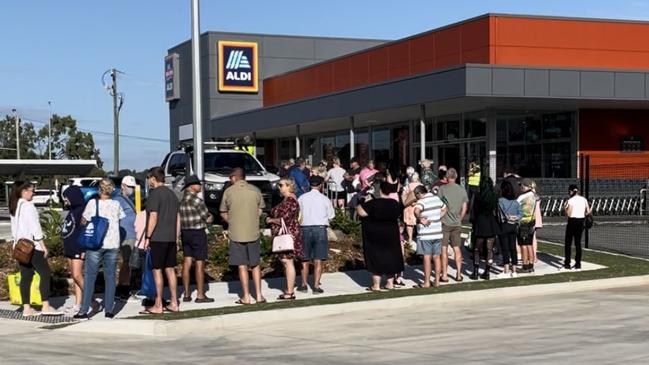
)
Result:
{"points": [[46, 167]]}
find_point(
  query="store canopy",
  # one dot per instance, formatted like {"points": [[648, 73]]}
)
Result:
{"points": [[46, 167]]}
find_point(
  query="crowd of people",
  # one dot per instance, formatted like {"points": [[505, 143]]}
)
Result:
{"points": [[419, 209]]}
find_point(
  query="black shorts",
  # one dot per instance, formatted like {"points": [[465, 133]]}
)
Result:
{"points": [[163, 254], [194, 243], [341, 195]]}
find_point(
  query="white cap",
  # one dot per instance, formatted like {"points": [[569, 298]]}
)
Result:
{"points": [[129, 181]]}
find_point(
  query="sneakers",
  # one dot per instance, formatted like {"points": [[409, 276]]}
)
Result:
{"points": [[513, 274], [81, 316], [318, 291], [303, 289], [576, 268], [109, 315], [52, 312], [565, 268]]}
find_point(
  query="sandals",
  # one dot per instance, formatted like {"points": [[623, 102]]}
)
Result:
{"points": [[459, 280], [241, 302], [419, 286], [370, 289], [147, 312], [286, 296], [262, 301]]}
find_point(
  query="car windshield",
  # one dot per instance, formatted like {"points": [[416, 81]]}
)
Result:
{"points": [[224, 162]]}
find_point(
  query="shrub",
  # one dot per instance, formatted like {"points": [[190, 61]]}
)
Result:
{"points": [[344, 223], [52, 223]]}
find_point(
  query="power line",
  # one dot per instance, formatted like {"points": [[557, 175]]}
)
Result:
{"points": [[151, 139]]}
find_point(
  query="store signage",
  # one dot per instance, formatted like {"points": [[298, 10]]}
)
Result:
{"points": [[172, 77], [631, 144], [238, 67]]}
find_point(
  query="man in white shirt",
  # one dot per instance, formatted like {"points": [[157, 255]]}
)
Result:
{"points": [[429, 211], [316, 211], [577, 208]]}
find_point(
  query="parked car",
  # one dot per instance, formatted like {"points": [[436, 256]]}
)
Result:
{"points": [[45, 197], [90, 186], [219, 159]]}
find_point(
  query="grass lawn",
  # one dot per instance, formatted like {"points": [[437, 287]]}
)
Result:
{"points": [[616, 266]]}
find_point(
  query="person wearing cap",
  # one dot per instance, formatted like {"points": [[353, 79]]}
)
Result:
{"points": [[526, 228], [577, 208], [241, 207], [194, 218], [317, 211], [126, 234]]}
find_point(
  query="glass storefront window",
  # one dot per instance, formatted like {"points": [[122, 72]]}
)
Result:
{"points": [[286, 149], [475, 125], [310, 149], [362, 147], [535, 144], [448, 127], [381, 145]]}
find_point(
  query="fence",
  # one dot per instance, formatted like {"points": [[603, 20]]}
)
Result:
{"points": [[618, 196]]}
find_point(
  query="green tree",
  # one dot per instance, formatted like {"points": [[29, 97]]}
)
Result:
{"points": [[68, 142], [28, 137]]}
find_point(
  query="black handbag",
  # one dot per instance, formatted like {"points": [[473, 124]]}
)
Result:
{"points": [[589, 222]]}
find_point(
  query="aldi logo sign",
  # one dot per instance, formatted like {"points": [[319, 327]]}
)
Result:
{"points": [[238, 67]]}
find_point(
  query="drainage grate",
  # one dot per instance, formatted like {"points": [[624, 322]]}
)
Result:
{"points": [[15, 314]]}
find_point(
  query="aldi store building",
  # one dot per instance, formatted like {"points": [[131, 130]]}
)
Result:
{"points": [[526, 92]]}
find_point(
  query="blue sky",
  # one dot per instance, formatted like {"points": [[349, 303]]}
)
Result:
{"points": [[58, 50]]}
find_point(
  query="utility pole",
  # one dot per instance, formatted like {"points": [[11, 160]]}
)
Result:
{"points": [[196, 90], [49, 138], [113, 75], [118, 101], [17, 121]]}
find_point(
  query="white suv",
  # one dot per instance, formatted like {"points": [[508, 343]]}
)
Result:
{"points": [[45, 197], [219, 163]]}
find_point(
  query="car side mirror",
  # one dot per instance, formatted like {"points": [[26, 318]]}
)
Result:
{"points": [[177, 172]]}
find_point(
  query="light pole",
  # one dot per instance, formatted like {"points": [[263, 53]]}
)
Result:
{"points": [[196, 90], [49, 137], [17, 121], [118, 101]]}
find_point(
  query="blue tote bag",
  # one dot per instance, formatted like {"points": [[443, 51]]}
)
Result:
{"points": [[148, 284], [92, 234]]}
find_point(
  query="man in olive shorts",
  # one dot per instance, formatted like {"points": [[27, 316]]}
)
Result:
{"points": [[456, 200]]}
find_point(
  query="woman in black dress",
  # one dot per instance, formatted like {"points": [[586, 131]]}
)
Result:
{"points": [[381, 241], [485, 226]]}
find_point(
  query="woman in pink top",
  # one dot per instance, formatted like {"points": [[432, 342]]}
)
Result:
{"points": [[366, 173]]}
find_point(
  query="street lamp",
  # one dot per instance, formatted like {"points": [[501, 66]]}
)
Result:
{"points": [[49, 138], [17, 121]]}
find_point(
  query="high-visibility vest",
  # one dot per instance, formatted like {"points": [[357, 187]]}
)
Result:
{"points": [[474, 180], [249, 148]]}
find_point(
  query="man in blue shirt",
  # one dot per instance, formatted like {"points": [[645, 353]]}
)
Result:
{"points": [[126, 234], [301, 180]]}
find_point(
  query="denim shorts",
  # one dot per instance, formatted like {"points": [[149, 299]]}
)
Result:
{"points": [[316, 243], [429, 247]]}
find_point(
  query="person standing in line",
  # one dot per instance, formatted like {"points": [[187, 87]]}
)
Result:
{"points": [[485, 226], [538, 222], [381, 238], [442, 179], [317, 211], [287, 214], [526, 229], [301, 177], [474, 179], [241, 207], [510, 176], [510, 214], [126, 234], [427, 174], [25, 224], [194, 219], [456, 200], [335, 176], [429, 211], [162, 235], [106, 255], [409, 199], [354, 168], [365, 174], [74, 203], [577, 208]]}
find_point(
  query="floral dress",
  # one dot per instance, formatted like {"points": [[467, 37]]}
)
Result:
{"points": [[289, 209]]}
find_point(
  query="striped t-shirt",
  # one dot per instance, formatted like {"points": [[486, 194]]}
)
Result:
{"points": [[431, 209]]}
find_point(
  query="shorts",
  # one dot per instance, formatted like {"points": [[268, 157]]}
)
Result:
{"points": [[452, 234], [126, 248], [341, 195], [244, 253], [163, 255], [194, 243], [316, 243], [73, 251], [429, 247]]}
